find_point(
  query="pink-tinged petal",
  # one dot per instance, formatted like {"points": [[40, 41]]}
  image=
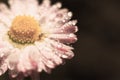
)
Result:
{"points": [[60, 13], [43, 11], [56, 12], [24, 61], [1, 45], [38, 61], [62, 50], [59, 19], [64, 38], [3, 66], [55, 7], [69, 27], [41, 66], [48, 54], [13, 59], [59, 45], [36, 58], [4, 52], [46, 63], [64, 54], [66, 28], [20, 67], [63, 19], [45, 4]]}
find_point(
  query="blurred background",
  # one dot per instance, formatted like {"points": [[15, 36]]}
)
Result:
{"points": [[97, 51]]}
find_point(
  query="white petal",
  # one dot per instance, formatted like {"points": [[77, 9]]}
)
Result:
{"points": [[5, 19], [21, 7]]}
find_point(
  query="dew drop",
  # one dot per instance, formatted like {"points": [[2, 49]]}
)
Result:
{"points": [[64, 56], [13, 74], [70, 14], [59, 5]]}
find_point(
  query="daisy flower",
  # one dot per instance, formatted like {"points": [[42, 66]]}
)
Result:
{"points": [[34, 37]]}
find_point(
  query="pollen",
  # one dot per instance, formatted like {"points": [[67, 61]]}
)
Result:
{"points": [[24, 29]]}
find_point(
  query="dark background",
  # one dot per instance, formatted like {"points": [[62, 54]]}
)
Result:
{"points": [[97, 51]]}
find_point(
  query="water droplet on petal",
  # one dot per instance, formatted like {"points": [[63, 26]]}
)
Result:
{"points": [[13, 73], [70, 14], [64, 56]]}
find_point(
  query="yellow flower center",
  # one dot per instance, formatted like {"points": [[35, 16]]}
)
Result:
{"points": [[24, 29]]}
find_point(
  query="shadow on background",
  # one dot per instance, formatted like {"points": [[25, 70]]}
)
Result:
{"points": [[97, 51]]}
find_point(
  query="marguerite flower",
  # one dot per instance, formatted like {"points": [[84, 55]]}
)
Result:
{"points": [[34, 37]]}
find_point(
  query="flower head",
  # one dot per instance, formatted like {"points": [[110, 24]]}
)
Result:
{"points": [[34, 37]]}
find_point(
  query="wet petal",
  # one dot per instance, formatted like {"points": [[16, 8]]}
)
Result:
{"points": [[64, 38], [62, 50]]}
